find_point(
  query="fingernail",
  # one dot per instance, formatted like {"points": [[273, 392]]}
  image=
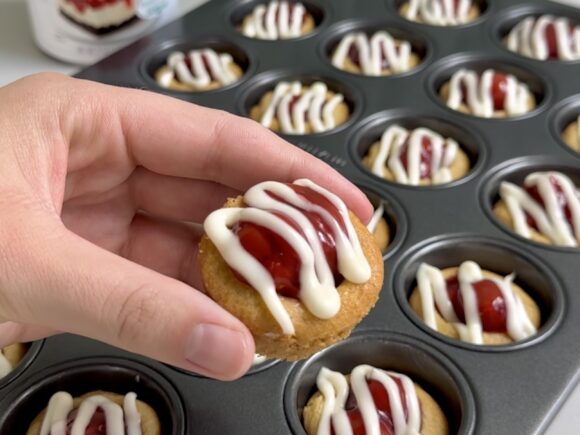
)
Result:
{"points": [[219, 350]]}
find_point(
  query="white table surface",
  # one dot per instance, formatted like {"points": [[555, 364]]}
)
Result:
{"points": [[19, 57]]}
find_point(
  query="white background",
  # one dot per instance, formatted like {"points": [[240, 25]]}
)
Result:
{"points": [[19, 57]]}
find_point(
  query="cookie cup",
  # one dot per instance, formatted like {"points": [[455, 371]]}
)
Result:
{"points": [[311, 333], [489, 338]]}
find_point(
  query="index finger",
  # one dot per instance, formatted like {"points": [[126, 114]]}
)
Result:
{"points": [[177, 138]]}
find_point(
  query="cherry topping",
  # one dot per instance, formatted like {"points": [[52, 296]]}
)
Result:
{"points": [[560, 199], [498, 90], [277, 256], [291, 7], [531, 221], [381, 399], [550, 33], [81, 5], [552, 39], [426, 157], [354, 56], [205, 60], [490, 302], [358, 426], [97, 425], [293, 102]]}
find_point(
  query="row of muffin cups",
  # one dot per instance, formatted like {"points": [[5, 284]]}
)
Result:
{"points": [[422, 47], [561, 115], [500, 22], [321, 15], [427, 366], [155, 57], [434, 372]]}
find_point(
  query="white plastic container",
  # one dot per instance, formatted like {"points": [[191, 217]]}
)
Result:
{"points": [[84, 31]]}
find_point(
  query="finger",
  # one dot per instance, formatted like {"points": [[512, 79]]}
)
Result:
{"points": [[178, 198], [167, 247], [177, 138], [13, 332], [109, 298]]}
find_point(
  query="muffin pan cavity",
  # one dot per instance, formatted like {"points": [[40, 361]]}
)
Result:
{"points": [[496, 256], [564, 124], [159, 57], [262, 84], [371, 129], [31, 353], [423, 364], [81, 377], [515, 172], [511, 17], [420, 46], [444, 69], [401, 7], [242, 9]]}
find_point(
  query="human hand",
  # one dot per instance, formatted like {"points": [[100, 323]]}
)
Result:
{"points": [[101, 187]]}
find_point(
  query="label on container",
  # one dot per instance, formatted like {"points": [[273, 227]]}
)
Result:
{"points": [[85, 31]]}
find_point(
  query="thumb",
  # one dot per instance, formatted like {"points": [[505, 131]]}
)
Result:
{"points": [[74, 286]]}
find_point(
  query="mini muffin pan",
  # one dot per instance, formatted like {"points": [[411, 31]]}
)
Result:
{"points": [[510, 389]]}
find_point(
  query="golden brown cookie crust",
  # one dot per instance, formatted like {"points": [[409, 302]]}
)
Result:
{"points": [[341, 112], [382, 235], [474, 13], [351, 67], [307, 26], [150, 424], [458, 169], [571, 137], [311, 333], [433, 420], [463, 108], [489, 338], [15, 352], [176, 85], [503, 215]]}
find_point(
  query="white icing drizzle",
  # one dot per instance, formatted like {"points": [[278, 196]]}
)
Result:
{"points": [[433, 291], [311, 105], [264, 25], [334, 388], [200, 74], [132, 415], [376, 218], [317, 288], [528, 38], [5, 366], [372, 51], [393, 140], [258, 359], [117, 418], [479, 93], [550, 219], [439, 12]]}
